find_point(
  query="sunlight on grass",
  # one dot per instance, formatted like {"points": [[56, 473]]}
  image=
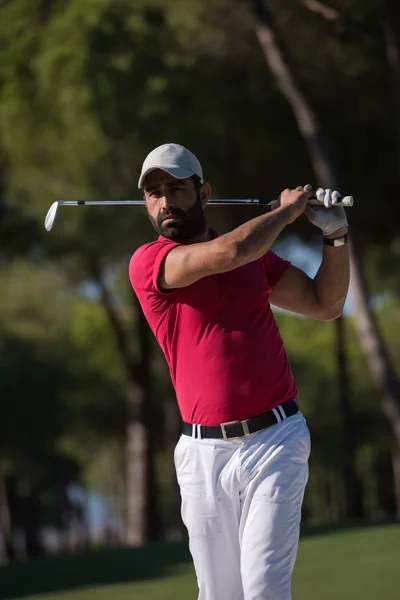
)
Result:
{"points": [[360, 564]]}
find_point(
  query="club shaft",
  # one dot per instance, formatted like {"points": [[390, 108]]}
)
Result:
{"points": [[267, 203], [142, 202], [218, 201]]}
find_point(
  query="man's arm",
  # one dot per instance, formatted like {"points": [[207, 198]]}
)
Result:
{"points": [[186, 264], [323, 297]]}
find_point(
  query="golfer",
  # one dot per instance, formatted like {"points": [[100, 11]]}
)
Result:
{"points": [[242, 458]]}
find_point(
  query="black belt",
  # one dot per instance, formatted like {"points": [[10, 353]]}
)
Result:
{"points": [[237, 429]]}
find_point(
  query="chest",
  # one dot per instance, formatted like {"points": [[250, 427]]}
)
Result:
{"points": [[233, 293]]}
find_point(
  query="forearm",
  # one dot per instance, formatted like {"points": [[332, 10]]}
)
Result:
{"points": [[253, 239], [331, 282], [187, 263]]}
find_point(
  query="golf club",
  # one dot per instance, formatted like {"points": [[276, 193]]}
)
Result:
{"points": [[52, 212]]}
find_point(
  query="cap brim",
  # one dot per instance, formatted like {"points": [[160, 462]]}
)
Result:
{"points": [[177, 172]]}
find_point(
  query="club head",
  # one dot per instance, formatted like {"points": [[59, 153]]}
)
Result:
{"points": [[51, 216]]}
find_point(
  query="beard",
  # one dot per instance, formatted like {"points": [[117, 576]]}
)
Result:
{"points": [[186, 225]]}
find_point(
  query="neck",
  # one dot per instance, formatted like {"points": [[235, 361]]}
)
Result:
{"points": [[206, 236]]}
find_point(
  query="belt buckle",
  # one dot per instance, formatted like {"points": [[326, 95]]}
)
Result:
{"points": [[245, 428]]}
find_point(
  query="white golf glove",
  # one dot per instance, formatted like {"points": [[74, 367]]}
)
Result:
{"points": [[326, 218]]}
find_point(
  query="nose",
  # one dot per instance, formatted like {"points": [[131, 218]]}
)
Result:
{"points": [[166, 203]]}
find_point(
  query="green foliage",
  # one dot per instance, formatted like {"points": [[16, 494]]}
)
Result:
{"points": [[67, 135], [311, 348], [87, 88], [61, 394]]}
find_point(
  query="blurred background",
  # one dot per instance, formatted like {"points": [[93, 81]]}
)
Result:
{"points": [[268, 94]]}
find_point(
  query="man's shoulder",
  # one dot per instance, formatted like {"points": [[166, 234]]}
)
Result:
{"points": [[151, 249], [145, 258], [160, 241]]}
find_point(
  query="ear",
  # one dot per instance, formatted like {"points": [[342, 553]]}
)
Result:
{"points": [[205, 194]]}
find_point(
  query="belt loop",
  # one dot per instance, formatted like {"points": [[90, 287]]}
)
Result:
{"points": [[245, 426], [281, 410], [277, 415], [194, 431], [199, 431]]}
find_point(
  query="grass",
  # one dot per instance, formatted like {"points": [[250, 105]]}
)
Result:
{"points": [[354, 564]]}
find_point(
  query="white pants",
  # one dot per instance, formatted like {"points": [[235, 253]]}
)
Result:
{"points": [[241, 504]]}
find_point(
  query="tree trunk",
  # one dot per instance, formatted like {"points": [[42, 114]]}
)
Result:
{"points": [[142, 514], [392, 35], [148, 417], [352, 484], [396, 477], [142, 522], [392, 38], [176, 529], [5, 520], [136, 471], [382, 370], [277, 58], [31, 526]]}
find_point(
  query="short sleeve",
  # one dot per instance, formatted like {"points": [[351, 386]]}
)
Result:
{"points": [[275, 267], [144, 266]]}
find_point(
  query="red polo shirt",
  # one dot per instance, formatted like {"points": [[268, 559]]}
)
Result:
{"points": [[219, 337]]}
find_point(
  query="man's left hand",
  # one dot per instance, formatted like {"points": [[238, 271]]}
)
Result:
{"points": [[326, 218]]}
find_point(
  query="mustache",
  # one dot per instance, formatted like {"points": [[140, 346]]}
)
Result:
{"points": [[166, 214]]}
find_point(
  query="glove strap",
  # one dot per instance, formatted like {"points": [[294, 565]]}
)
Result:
{"points": [[340, 241]]}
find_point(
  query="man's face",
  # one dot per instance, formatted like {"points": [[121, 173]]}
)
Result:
{"points": [[174, 206]]}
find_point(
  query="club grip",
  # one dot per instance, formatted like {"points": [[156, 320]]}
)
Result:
{"points": [[346, 201]]}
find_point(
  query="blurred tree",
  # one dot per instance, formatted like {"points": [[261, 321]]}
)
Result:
{"points": [[322, 160], [60, 87], [6, 528], [311, 350], [277, 57], [392, 30], [392, 38], [70, 88], [32, 380], [62, 392], [87, 88], [18, 234]]}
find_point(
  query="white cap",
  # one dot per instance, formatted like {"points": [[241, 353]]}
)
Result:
{"points": [[174, 159]]}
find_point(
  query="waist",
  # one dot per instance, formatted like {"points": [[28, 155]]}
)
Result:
{"points": [[237, 429]]}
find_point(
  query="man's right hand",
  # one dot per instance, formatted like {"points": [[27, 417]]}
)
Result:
{"points": [[296, 201]]}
